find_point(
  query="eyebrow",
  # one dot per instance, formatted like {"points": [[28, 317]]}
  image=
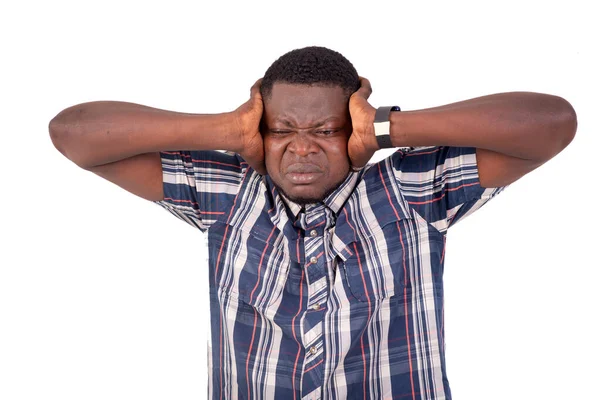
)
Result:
{"points": [[287, 122]]}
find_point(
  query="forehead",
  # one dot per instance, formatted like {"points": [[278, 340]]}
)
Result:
{"points": [[305, 103]]}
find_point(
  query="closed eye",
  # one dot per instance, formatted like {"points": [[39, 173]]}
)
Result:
{"points": [[327, 132], [324, 132]]}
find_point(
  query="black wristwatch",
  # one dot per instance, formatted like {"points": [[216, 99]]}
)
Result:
{"points": [[382, 127]]}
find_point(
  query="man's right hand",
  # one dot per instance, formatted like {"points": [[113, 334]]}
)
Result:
{"points": [[248, 117]]}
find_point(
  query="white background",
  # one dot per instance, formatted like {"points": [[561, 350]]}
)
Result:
{"points": [[103, 295]]}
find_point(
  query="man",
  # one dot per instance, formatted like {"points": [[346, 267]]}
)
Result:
{"points": [[325, 273]]}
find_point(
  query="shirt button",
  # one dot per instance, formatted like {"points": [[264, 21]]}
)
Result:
{"points": [[313, 260], [316, 307], [313, 233], [313, 350]]}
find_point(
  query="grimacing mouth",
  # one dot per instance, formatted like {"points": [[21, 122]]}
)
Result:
{"points": [[303, 168]]}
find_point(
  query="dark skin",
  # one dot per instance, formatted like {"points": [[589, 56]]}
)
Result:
{"points": [[306, 131], [514, 133]]}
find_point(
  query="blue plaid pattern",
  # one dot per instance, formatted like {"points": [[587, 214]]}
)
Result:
{"points": [[337, 300]]}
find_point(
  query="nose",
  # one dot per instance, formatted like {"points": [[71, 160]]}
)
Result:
{"points": [[302, 144]]}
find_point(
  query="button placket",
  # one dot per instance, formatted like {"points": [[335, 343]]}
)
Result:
{"points": [[317, 279]]}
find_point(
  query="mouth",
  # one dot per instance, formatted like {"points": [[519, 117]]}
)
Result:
{"points": [[303, 173]]}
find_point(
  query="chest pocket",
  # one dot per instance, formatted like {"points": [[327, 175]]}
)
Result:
{"points": [[251, 266], [375, 267]]}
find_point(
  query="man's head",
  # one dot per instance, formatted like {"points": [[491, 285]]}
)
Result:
{"points": [[306, 122]]}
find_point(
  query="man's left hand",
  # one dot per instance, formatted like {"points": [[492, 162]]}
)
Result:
{"points": [[362, 143]]}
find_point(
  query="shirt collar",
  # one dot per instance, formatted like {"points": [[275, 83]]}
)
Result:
{"points": [[333, 201]]}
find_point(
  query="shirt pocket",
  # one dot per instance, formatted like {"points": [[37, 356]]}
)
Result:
{"points": [[248, 266], [375, 267]]}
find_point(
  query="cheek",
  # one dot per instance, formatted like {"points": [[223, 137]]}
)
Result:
{"points": [[337, 155], [338, 151], [273, 154]]}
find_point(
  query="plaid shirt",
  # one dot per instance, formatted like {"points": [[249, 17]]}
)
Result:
{"points": [[341, 299]]}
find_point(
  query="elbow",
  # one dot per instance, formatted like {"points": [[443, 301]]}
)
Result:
{"points": [[63, 134], [559, 128], [56, 128], [566, 124]]}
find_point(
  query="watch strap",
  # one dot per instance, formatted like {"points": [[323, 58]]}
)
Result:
{"points": [[382, 126]]}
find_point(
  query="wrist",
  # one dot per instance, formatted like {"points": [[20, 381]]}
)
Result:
{"points": [[370, 141], [382, 126], [398, 131], [234, 131]]}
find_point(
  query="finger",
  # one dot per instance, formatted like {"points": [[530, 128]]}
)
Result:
{"points": [[255, 89], [365, 89]]}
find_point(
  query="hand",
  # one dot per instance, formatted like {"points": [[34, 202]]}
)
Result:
{"points": [[248, 117], [362, 143]]}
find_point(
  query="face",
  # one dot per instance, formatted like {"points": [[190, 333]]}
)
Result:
{"points": [[306, 131]]}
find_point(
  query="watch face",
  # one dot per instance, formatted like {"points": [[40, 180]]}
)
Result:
{"points": [[382, 128]]}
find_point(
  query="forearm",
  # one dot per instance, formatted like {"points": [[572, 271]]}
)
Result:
{"points": [[97, 133], [526, 125]]}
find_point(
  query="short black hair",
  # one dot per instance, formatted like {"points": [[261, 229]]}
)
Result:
{"points": [[309, 66]]}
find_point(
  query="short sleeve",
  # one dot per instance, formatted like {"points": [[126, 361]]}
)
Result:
{"points": [[441, 183], [200, 186]]}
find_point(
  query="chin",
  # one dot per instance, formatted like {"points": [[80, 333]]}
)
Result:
{"points": [[305, 200], [304, 197]]}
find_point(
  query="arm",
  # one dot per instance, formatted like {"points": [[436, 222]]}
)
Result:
{"points": [[98, 133], [121, 141], [514, 133]]}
